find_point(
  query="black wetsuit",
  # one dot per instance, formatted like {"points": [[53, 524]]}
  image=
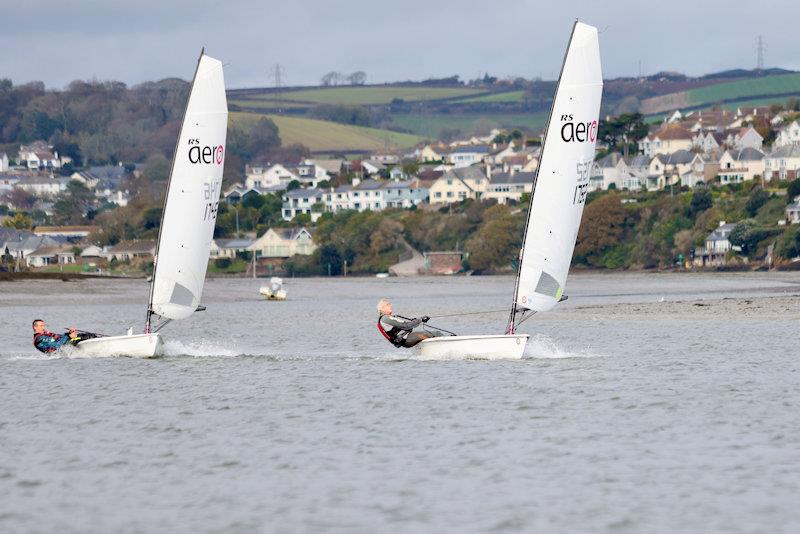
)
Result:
{"points": [[400, 334]]}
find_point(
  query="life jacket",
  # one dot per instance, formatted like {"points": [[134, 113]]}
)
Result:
{"points": [[37, 338], [393, 336]]}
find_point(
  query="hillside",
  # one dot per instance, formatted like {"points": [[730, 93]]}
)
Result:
{"points": [[325, 136], [767, 89]]}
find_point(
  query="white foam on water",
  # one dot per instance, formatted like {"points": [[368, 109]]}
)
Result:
{"points": [[200, 349], [542, 346]]}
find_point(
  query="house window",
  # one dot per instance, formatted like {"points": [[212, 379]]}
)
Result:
{"points": [[438, 194], [449, 194], [449, 182]]}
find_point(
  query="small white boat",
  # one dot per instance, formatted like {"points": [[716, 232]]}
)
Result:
{"points": [[273, 291], [190, 213], [382, 275], [556, 205], [133, 345]]}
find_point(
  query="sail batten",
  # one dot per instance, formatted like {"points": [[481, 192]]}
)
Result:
{"points": [[562, 179], [192, 198]]}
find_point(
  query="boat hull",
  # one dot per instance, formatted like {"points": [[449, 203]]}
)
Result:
{"points": [[132, 346], [501, 347]]}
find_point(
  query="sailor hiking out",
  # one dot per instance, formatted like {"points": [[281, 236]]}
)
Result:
{"points": [[398, 330], [45, 341]]}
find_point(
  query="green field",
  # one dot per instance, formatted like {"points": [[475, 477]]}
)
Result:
{"points": [[431, 125], [265, 104], [756, 87], [324, 136], [513, 97], [369, 94]]}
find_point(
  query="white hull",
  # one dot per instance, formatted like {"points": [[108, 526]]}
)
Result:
{"points": [[270, 295], [133, 346], [502, 347]]}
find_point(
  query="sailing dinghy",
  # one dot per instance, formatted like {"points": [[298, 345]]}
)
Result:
{"points": [[187, 224], [556, 206]]}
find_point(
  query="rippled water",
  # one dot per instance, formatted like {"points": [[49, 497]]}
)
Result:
{"points": [[297, 416]]}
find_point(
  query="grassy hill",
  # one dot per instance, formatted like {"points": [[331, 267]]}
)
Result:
{"points": [[323, 136], [766, 89], [360, 95], [430, 125]]}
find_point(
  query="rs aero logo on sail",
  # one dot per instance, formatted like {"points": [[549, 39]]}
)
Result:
{"points": [[205, 154], [579, 132]]}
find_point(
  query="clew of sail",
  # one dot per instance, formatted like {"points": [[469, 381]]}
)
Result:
{"points": [[563, 176], [190, 209]]}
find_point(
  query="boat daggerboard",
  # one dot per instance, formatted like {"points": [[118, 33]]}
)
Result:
{"points": [[190, 209], [563, 176]]}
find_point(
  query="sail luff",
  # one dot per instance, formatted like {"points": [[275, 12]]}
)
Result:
{"points": [[562, 177], [192, 198], [513, 314], [166, 194]]}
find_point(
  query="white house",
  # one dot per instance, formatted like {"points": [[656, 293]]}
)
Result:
{"points": [[43, 185], [269, 176], [38, 155], [300, 201], [783, 163], [607, 171], [736, 166], [666, 140], [284, 243], [745, 137], [793, 211], [459, 184], [466, 155], [506, 186], [788, 135]]}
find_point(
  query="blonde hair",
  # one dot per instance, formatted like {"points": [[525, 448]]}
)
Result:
{"points": [[382, 303]]}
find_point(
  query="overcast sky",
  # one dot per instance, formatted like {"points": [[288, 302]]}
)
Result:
{"points": [[57, 41]]}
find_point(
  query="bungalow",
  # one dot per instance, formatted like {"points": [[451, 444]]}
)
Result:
{"points": [[284, 243], [666, 140], [300, 201], [43, 185], [23, 244], [793, 211], [331, 166], [50, 255], [92, 251], [385, 158], [783, 163], [227, 248], [130, 250], [505, 186], [459, 184], [788, 135], [737, 166]]}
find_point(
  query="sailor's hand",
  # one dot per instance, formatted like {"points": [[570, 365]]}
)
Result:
{"points": [[425, 318]]}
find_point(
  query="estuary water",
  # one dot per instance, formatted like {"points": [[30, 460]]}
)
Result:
{"points": [[645, 403]]}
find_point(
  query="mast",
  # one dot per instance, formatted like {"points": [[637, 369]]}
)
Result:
{"points": [[166, 196], [513, 314]]}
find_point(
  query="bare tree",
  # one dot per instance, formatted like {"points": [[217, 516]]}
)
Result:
{"points": [[357, 78]]}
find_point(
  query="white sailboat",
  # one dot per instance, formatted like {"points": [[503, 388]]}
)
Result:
{"points": [[187, 224], [556, 206]]}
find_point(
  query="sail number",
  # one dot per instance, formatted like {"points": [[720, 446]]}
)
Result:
{"points": [[582, 182], [211, 200]]}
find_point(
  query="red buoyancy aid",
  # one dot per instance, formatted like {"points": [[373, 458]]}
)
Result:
{"points": [[391, 339]]}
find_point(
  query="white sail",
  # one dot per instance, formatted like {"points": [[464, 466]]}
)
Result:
{"points": [[190, 210], [563, 175]]}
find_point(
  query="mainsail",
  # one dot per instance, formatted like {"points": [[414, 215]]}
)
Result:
{"points": [[562, 179], [190, 208]]}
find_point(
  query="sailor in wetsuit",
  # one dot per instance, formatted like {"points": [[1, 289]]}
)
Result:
{"points": [[45, 341], [399, 332]]}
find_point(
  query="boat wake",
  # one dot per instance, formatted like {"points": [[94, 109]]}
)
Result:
{"points": [[202, 349], [544, 347]]}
